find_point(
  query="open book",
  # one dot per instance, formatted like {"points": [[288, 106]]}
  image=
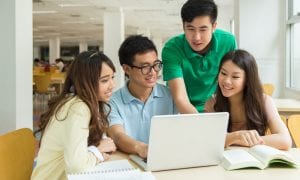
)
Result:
{"points": [[112, 170], [259, 156]]}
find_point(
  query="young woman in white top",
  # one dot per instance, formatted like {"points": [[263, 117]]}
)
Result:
{"points": [[252, 112], [73, 127]]}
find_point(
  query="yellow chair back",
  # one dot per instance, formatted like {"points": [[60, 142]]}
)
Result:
{"points": [[294, 128], [283, 118], [42, 83], [268, 89], [17, 154], [38, 71], [58, 75], [52, 69]]}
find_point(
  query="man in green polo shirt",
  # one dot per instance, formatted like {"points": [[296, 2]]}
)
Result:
{"points": [[191, 60]]}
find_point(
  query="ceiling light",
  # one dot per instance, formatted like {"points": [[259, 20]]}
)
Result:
{"points": [[46, 27], [44, 12], [74, 22], [53, 33], [40, 40], [74, 5], [38, 36]]}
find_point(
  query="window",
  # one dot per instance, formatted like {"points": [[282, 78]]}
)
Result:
{"points": [[69, 52], [296, 7], [293, 45]]}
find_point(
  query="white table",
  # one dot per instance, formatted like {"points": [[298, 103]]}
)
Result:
{"points": [[287, 107], [219, 173]]}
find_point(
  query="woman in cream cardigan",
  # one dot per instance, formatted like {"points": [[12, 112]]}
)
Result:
{"points": [[74, 126]]}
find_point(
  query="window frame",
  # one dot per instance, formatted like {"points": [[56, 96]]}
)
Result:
{"points": [[291, 19]]}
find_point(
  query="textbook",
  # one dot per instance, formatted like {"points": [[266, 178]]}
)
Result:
{"points": [[259, 156], [112, 170]]}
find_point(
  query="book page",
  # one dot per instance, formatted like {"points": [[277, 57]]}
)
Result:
{"points": [[266, 154], [239, 158]]}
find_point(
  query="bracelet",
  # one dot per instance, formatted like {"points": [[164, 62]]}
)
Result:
{"points": [[96, 152]]}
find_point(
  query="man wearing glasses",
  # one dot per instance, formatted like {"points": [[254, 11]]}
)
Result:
{"points": [[133, 106]]}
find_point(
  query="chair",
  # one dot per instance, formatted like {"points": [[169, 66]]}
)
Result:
{"points": [[52, 69], [42, 87], [42, 83], [294, 128], [58, 80], [17, 154], [38, 70], [268, 89], [283, 118]]}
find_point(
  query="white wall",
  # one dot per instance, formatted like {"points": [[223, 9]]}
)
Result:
{"points": [[114, 32], [16, 65], [225, 15], [261, 31]]}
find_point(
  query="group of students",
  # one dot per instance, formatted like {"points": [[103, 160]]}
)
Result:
{"points": [[59, 64], [204, 72]]}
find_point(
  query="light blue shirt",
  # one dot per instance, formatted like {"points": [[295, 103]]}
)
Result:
{"points": [[135, 115]]}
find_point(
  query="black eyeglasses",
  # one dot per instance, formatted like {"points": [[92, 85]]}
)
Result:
{"points": [[146, 69]]}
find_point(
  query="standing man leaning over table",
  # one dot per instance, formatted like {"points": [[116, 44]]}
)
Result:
{"points": [[133, 106], [191, 60]]}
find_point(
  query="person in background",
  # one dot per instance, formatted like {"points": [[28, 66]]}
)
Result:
{"points": [[37, 62], [251, 111], [141, 98], [73, 128], [191, 60], [59, 63], [43, 61]]}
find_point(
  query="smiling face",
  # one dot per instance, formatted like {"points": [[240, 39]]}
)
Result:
{"points": [[198, 33], [137, 78], [106, 83], [231, 80]]}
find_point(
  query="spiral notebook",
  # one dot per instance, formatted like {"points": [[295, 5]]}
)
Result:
{"points": [[112, 170]]}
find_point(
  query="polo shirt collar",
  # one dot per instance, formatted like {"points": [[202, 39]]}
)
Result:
{"points": [[128, 97], [157, 92], [191, 53]]}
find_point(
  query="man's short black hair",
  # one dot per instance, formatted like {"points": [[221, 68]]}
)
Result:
{"points": [[135, 44], [195, 8]]}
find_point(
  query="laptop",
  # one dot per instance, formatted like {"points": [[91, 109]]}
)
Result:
{"points": [[185, 141]]}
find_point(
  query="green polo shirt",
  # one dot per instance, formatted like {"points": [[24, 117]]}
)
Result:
{"points": [[199, 72]]}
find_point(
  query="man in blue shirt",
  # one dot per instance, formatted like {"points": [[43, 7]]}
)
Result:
{"points": [[133, 106]]}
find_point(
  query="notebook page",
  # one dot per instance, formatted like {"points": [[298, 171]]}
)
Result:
{"points": [[107, 175], [111, 170], [109, 165]]}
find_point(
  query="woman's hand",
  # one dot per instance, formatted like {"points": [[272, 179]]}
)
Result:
{"points": [[106, 145], [105, 156], [246, 138]]}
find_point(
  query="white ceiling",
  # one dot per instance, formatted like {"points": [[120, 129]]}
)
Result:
{"points": [[82, 20]]}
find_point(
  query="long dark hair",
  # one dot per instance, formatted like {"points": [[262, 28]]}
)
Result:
{"points": [[83, 81], [252, 94]]}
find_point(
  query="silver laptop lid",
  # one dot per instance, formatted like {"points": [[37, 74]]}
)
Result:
{"points": [[186, 140]]}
